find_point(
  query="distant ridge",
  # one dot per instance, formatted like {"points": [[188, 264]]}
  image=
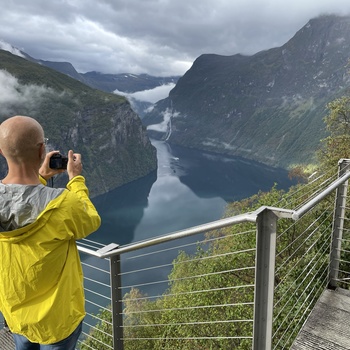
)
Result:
{"points": [[269, 106], [107, 82], [125, 81]]}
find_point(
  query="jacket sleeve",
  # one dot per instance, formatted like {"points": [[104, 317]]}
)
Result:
{"points": [[85, 214]]}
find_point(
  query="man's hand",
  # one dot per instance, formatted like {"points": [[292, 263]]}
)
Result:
{"points": [[45, 171], [74, 165]]}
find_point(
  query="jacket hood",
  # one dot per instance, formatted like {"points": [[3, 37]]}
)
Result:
{"points": [[21, 208]]}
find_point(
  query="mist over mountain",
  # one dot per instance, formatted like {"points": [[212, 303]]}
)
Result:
{"points": [[101, 126], [267, 107], [139, 89]]}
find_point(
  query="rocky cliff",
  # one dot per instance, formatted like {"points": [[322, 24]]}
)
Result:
{"points": [[102, 127], [269, 106]]}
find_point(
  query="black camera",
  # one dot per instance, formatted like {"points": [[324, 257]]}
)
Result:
{"points": [[58, 161]]}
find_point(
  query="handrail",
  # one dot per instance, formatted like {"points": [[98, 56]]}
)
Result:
{"points": [[247, 217], [309, 205], [113, 249]]}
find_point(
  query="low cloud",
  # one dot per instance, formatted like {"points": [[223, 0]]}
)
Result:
{"points": [[151, 95], [7, 47], [17, 97], [165, 125]]}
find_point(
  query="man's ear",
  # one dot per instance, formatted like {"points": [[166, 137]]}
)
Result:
{"points": [[42, 151]]}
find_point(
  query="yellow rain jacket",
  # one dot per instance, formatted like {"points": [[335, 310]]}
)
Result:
{"points": [[41, 280]]}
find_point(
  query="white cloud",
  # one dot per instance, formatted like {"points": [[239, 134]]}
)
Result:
{"points": [[8, 47], [165, 125], [151, 95], [14, 95]]}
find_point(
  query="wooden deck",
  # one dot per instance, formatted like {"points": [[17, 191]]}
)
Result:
{"points": [[328, 326]]}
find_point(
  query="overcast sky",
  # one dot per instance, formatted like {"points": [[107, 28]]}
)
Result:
{"points": [[157, 37]]}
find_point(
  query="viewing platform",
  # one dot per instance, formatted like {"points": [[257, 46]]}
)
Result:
{"points": [[328, 325], [276, 277]]}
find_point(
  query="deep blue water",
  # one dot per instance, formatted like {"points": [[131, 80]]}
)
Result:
{"points": [[190, 187]]}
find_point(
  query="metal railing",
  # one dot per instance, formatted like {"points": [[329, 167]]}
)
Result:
{"points": [[248, 281]]}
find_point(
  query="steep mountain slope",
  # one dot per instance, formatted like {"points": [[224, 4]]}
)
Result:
{"points": [[62, 67], [101, 126], [269, 106]]}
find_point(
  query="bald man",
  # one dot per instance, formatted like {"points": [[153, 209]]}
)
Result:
{"points": [[41, 287]]}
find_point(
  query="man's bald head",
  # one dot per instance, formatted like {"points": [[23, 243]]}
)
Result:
{"points": [[20, 138]]}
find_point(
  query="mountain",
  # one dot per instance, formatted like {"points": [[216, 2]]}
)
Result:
{"points": [[128, 84], [101, 126], [125, 82], [65, 68], [267, 107], [62, 67]]}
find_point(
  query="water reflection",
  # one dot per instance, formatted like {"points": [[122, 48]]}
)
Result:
{"points": [[172, 205], [121, 210], [231, 178], [189, 188]]}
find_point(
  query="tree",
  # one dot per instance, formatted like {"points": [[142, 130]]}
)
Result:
{"points": [[337, 145]]}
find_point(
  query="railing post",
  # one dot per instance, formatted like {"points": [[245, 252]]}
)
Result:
{"points": [[116, 297], [338, 224], [264, 279]]}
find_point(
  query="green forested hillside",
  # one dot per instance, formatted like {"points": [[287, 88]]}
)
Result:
{"points": [[101, 126]]}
